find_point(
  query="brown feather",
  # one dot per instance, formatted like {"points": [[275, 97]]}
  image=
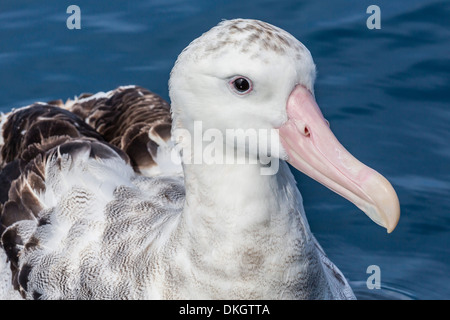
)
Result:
{"points": [[129, 122], [124, 117]]}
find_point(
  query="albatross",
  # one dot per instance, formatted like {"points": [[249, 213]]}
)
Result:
{"points": [[94, 204]]}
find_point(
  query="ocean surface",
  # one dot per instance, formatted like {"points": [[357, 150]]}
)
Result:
{"points": [[386, 93]]}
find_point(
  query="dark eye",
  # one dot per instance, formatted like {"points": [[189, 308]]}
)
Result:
{"points": [[241, 85]]}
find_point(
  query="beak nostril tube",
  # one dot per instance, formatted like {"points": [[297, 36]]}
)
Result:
{"points": [[306, 132], [302, 127]]}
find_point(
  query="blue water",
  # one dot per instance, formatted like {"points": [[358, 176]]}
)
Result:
{"points": [[386, 93]]}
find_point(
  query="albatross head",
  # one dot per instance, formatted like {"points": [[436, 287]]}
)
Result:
{"points": [[247, 74]]}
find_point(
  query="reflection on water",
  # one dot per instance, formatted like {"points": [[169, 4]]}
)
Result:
{"points": [[384, 293], [385, 92]]}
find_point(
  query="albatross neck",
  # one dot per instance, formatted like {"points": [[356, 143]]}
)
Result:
{"points": [[239, 195], [249, 231]]}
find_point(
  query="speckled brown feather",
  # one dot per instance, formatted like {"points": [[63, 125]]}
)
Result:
{"points": [[30, 132], [33, 134], [37, 122], [125, 117]]}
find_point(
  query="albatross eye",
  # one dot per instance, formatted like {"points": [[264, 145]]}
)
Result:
{"points": [[241, 85]]}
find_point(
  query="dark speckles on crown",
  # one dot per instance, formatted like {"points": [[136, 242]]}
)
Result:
{"points": [[248, 37], [215, 46], [253, 37], [234, 29], [281, 38]]}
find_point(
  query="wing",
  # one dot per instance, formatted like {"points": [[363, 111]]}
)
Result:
{"points": [[135, 120], [77, 221], [80, 224]]}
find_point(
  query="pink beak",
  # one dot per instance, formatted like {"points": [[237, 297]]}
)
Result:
{"points": [[313, 149]]}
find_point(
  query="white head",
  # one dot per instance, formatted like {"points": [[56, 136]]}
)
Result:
{"points": [[269, 58], [248, 74]]}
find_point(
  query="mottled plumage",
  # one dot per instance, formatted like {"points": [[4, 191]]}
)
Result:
{"points": [[90, 228], [45, 143], [131, 118]]}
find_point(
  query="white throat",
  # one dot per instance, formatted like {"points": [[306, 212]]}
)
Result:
{"points": [[245, 235], [239, 195]]}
